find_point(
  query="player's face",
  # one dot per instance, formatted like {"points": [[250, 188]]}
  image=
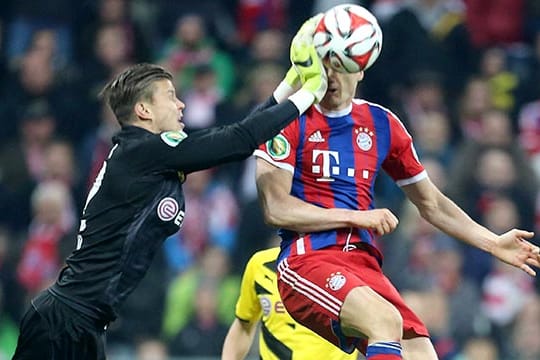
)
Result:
{"points": [[341, 89], [166, 108]]}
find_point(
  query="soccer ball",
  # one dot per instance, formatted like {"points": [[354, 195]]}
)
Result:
{"points": [[349, 37]]}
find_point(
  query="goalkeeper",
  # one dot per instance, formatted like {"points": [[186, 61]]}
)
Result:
{"points": [[137, 201]]}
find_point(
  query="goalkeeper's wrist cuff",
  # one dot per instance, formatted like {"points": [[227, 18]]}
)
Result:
{"points": [[302, 99], [283, 91]]}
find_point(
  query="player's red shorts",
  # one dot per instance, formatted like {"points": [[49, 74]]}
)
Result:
{"points": [[314, 285]]}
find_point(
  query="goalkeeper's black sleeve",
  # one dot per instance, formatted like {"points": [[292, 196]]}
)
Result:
{"points": [[210, 147]]}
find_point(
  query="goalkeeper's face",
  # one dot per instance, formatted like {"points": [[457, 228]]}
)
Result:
{"points": [[166, 108], [341, 89]]}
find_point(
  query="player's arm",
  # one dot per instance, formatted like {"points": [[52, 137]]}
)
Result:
{"points": [[281, 209], [511, 247], [209, 148], [238, 340]]}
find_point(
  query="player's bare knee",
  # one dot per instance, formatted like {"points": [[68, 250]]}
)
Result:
{"points": [[390, 325], [368, 314]]}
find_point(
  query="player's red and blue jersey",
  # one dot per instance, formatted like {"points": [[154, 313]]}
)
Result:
{"points": [[335, 158]]}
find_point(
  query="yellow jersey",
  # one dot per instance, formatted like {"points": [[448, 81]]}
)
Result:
{"points": [[281, 338]]}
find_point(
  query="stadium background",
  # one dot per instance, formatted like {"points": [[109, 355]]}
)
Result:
{"points": [[463, 75]]}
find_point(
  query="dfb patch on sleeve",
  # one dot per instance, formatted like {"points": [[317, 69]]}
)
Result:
{"points": [[278, 148], [173, 138]]}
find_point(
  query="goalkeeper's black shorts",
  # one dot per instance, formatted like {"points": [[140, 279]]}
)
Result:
{"points": [[52, 331]]}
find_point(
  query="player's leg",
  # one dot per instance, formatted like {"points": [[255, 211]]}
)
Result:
{"points": [[89, 346], [418, 348], [367, 314], [33, 342], [415, 339], [314, 288]]}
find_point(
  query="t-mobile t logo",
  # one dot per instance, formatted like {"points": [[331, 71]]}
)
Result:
{"points": [[330, 164]]}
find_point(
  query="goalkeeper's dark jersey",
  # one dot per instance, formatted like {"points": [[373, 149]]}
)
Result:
{"points": [[137, 201]]}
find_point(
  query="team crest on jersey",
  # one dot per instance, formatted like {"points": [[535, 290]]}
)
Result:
{"points": [[167, 209], [173, 138], [364, 138], [336, 281], [278, 148]]}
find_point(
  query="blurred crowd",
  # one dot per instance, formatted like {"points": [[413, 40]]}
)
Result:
{"points": [[463, 75]]}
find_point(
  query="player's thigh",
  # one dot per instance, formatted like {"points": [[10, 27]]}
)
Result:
{"points": [[366, 313], [418, 348], [33, 342]]}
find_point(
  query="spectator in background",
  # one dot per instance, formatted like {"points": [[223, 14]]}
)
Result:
{"points": [[526, 333], [474, 102], [254, 16], [435, 27], [50, 237], [45, 42], [112, 12], [529, 133], [32, 80], [498, 212], [188, 47], [218, 15], [462, 295], [35, 78], [469, 181], [203, 99], [503, 83], [213, 270], [492, 22], [268, 46], [60, 166], [29, 16], [433, 136], [204, 332], [495, 173], [505, 293], [110, 55], [425, 94], [530, 68], [22, 160]]}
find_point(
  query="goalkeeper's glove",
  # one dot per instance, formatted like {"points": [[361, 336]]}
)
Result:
{"points": [[292, 78], [312, 74], [310, 68]]}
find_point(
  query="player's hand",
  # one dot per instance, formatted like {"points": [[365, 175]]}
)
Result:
{"points": [[381, 221], [310, 69], [292, 78], [513, 248]]}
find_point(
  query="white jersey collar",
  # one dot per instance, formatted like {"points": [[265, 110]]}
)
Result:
{"points": [[337, 113]]}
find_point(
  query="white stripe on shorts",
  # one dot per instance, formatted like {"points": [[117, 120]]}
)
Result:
{"points": [[310, 290]]}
